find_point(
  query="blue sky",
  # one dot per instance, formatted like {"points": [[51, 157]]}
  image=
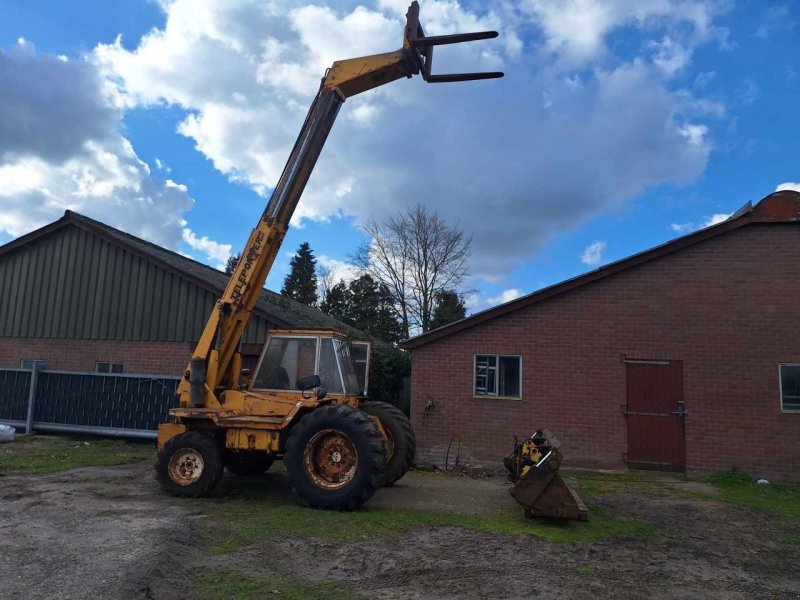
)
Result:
{"points": [[618, 126]]}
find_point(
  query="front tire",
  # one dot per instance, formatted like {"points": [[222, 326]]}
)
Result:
{"points": [[335, 458], [189, 465], [402, 445]]}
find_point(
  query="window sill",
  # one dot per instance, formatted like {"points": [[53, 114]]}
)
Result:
{"points": [[487, 397]]}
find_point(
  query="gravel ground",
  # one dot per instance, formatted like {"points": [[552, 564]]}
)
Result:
{"points": [[107, 532]]}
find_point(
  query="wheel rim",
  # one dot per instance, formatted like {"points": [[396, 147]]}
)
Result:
{"points": [[330, 459], [186, 466]]}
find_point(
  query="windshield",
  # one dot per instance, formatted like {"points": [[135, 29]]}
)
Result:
{"points": [[349, 373], [285, 361]]}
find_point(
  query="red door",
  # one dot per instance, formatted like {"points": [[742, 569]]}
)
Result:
{"points": [[655, 411]]}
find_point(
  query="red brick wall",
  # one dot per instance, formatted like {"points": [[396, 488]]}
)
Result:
{"points": [[728, 308], [150, 358]]}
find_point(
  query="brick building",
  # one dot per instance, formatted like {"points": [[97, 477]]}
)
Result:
{"points": [[79, 295], [685, 357]]}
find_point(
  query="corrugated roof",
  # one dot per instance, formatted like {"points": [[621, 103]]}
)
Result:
{"points": [[283, 311], [780, 207]]}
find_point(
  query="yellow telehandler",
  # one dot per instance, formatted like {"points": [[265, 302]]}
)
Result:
{"points": [[303, 403]]}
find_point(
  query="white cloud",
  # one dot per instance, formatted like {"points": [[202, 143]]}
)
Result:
{"points": [[60, 148], [715, 219], [706, 222], [504, 296], [339, 269], [593, 253], [245, 73], [682, 227], [220, 253], [789, 185], [576, 30]]}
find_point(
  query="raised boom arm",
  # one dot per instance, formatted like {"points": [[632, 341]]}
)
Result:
{"points": [[216, 363]]}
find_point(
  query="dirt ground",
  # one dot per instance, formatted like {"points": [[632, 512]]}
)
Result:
{"points": [[108, 532]]}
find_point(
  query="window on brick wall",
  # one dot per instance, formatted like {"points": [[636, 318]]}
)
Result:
{"points": [[28, 363], [498, 375], [107, 367], [790, 387]]}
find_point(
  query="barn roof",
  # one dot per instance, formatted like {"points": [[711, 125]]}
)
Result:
{"points": [[282, 311], [780, 207]]}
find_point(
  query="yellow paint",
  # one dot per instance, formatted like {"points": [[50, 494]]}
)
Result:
{"points": [[167, 431]]}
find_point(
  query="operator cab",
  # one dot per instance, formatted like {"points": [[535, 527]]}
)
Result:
{"points": [[290, 356]]}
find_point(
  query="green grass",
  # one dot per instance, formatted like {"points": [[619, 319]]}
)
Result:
{"points": [[48, 454], [230, 584], [738, 489], [587, 570], [249, 513], [593, 483]]}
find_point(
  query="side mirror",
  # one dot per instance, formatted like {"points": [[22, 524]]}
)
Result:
{"points": [[308, 383]]}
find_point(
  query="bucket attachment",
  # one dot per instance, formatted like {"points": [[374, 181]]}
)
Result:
{"points": [[538, 487]]}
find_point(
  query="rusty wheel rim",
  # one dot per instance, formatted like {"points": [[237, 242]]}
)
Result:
{"points": [[186, 466], [330, 459]]}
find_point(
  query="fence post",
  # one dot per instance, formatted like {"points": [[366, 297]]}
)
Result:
{"points": [[32, 398]]}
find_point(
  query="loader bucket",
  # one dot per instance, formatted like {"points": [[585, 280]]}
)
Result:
{"points": [[539, 488]]}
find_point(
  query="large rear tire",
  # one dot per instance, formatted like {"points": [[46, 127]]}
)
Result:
{"points": [[335, 458], [402, 445], [189, 464]]}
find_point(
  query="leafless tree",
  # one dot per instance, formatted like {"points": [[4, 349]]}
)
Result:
{"points": [[416, 255], [325, 281]]}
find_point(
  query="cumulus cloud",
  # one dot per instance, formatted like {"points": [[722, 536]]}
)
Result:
{"points": [[706, 222], [49, 107], [60, 148], [789, 186], [213, 250], [503, 297], [716, 219], [593, 253], [511, 169], [338, 270]]}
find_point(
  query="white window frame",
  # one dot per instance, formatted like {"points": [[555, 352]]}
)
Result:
{"points": [[497, 357], [780, 388]]}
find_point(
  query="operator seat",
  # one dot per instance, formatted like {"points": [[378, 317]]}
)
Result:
{"points": [[279, 380]]}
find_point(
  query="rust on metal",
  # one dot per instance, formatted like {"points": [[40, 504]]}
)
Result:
{"points": [[186, 466], [538, 488], [330, 459]]}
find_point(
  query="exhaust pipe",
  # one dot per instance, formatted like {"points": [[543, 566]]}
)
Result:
{"points": [[197, 382]]}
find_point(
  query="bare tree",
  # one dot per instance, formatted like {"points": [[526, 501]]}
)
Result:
{"points": [[325, 281], [416, 255]]}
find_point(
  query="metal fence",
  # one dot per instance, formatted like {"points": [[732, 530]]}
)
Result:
{"points": [[97, 403]]}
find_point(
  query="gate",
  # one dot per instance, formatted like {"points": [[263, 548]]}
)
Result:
{"points": [[94, 403], [655, 412]]}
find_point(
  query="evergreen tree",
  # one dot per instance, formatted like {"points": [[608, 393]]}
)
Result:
{"points": [[366, 305], [372, 309], [301, 282], [449, 307], [230, 267], [337, 302]]}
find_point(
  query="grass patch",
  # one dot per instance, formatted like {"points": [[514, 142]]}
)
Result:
{"points": [[47, 454], [250, 513], [587, 570], [738, 489], [592, 483], [230, 584]]}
